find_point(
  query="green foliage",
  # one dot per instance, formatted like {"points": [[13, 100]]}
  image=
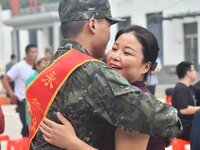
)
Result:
{"points": [[5, 4]]}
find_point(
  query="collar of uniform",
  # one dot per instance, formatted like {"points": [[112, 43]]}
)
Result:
{"points": [[67, 44]]}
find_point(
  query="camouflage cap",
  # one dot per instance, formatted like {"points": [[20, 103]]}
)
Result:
{"points": [[75, 10]]}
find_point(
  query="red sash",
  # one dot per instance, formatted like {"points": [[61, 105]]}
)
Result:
{"points": [[42, 91]]}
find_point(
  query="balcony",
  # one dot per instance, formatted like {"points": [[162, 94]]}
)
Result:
{"points": [[43, 8], [44, 15]]}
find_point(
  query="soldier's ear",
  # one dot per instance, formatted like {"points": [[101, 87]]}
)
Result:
{"points": [[92, 25]]}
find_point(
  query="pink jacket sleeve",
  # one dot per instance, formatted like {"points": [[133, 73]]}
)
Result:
{"points": [[2, 121]]}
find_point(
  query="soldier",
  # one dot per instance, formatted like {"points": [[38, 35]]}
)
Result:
{"points": [[85, 90]]}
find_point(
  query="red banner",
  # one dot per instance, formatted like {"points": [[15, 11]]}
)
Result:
{"points": [[33, 4], [14, 4]]}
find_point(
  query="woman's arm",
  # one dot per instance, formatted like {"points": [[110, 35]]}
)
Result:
{"points": [[126, 140], [53, 133], [62, 135]]}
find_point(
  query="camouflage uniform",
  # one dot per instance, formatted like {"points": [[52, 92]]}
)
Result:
{"points": [[95, 94]]}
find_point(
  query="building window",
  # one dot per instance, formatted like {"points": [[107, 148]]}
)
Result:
{"points": [[33, 36], [191, 44], [60, 33], [51, 36], [154, 24], [125, 23]]}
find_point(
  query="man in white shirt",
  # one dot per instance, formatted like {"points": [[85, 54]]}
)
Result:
{"points": [[19, 73]]}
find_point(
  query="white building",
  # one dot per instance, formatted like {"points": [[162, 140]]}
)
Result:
{"points": [[176, 24]]}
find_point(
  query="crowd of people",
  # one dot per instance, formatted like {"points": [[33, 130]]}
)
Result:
{"points": [[95, 105], [17, 74]]}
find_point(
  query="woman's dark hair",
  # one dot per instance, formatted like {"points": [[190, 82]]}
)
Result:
{"points": [[148, 41]]}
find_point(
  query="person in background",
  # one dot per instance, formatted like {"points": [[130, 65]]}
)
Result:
{"points": [[2, 121], [48, 54], [8, 66], [195, 132], [152, 80], [183, 98], [133, 59], [11, 63], [19, 73]]}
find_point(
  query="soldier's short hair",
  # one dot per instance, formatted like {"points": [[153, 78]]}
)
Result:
{"points": [[72, 29]]}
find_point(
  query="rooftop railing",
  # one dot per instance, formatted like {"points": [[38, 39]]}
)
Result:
{"points": [[43, 8]]}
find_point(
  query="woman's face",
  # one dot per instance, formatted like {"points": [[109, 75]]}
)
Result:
{"points": [[126, 57], [41, 66]]}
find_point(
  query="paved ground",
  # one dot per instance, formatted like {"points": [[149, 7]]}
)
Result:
{"points": [[12, 123]]}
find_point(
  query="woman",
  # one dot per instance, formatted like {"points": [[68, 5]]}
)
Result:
{"points": [[133, 55]]}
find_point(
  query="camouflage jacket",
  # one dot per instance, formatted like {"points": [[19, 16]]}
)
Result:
{"points": [[95, 94]]}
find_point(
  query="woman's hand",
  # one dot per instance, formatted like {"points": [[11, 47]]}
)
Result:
{"points": [[62, 135]]}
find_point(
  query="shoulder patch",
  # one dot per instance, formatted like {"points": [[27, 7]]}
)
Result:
{"points": [[118, 77]]}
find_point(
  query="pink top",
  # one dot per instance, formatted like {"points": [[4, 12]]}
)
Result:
{"points": [[2, 121]]}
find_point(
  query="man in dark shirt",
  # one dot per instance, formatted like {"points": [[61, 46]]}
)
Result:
{"points": [[184, 99]]}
